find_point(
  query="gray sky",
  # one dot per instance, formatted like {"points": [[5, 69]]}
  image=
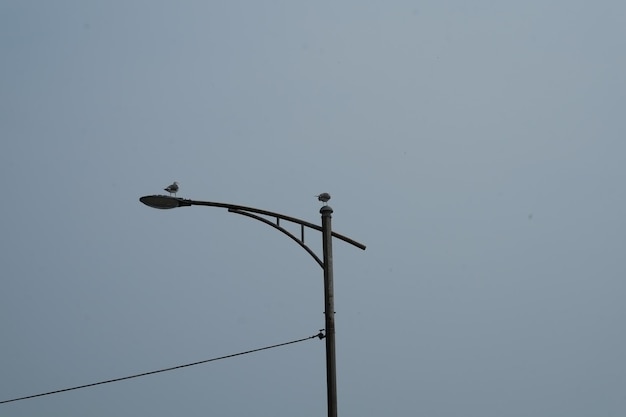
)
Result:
{"points": [[477, 149]]}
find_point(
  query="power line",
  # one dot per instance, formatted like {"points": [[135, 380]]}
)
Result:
{"points": [[319, 335]]}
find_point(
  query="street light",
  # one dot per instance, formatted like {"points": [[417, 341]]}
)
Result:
{"points": [[168, 202]]}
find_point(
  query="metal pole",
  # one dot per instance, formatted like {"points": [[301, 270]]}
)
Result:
{"points": [[168, 202], [329, 301]]}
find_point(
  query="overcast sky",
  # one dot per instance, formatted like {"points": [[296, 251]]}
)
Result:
{"points": [[477, 148]]}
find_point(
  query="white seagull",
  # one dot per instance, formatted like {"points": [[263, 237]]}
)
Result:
{"points": [[324, 197], [172, 188]]}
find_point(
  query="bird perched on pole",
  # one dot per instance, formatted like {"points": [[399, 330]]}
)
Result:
{"points": [[324, 197], [172, 188]]}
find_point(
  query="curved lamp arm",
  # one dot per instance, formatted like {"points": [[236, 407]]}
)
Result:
{"points": [[288, 233]]}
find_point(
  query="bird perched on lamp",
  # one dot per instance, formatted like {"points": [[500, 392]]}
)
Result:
{"points": [[172, 188]]}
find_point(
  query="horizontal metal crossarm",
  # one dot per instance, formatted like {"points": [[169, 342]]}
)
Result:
{"points": [[169, 202]]}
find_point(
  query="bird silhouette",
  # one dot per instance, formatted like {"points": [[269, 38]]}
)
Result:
{"points": [[324, 197], [172, 188]]}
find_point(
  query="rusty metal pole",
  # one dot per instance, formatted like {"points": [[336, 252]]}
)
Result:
{"points": [[329, 301]]}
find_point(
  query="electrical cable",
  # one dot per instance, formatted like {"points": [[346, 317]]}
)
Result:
{"points": [[320, 335]]}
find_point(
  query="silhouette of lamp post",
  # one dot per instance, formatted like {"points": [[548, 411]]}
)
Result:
{"points": [[169, 202]]}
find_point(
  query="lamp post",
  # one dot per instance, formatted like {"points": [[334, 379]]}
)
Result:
{"points": [[168, 202]]}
